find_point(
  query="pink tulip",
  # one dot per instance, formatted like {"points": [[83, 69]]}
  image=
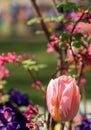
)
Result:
{"points": [[63, 98]]}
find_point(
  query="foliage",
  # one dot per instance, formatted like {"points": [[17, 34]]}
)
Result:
{"points": [[72, 46]]}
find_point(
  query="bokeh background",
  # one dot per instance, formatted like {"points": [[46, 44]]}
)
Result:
{"points": [[16, 35]]}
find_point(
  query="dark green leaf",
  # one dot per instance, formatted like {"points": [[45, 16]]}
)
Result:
{"points": [[67, 6], [78, 36], [78, 44], [65, 36]]}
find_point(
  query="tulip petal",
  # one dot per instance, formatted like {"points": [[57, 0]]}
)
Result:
{"points": [[49, 95], [65, 103]]}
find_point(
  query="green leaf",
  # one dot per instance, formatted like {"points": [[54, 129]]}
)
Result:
{"points": [[23, 108], [78, 44], [78, 36], [34, 20], [61, 44], [42, 66], [54, 19], [29, 62], [38, 32], [6, 98], [67, 6], [65, 37], [60, 18], [49, 20], [37, 67], [34, 67], [4, 82]]}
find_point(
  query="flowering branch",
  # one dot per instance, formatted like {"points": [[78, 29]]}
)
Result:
{"points": [[70, 41], [47, 33]]}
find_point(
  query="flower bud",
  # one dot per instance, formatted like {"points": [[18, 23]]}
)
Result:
{"points": [[63, 98]]}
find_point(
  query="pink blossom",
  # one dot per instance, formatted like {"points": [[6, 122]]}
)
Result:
{"points": [[64, 67], [75, 16], [32, 116], [10, 57], [37, 85], [82, 81], [54, 37], [70, 55], [89, 33], [86, 58], [76, 30], [3, 72], [89, 49], [51, 46], [78, 118], [85, 27], [63, 98]]}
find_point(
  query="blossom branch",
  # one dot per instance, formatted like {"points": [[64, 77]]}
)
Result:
{"points": [[72, 34], [47, 33], [34, 80]]}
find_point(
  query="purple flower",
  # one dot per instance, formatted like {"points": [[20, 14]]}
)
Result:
{"points": [[6, 120], [85, 125], [18, 98], [11, 118]]}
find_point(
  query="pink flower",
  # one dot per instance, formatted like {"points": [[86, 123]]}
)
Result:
{"points": [[34, 120], [75, 16], [78, 118], [51, 46], [76, 30], [63, 98], [3, 72], [89, 49], [70, 55], [10, 57], [85, 27], [37, 85], [82, 81]]}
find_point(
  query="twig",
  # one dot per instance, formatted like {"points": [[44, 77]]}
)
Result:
{"points": [[47, 33], [72, 33], [70, 41], [70, 125], [34, 80]]}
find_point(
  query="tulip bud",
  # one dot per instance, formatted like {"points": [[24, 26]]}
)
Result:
{"points": [[63, 98]]}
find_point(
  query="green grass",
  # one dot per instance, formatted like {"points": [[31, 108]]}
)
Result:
{"points": [[19, 78]]}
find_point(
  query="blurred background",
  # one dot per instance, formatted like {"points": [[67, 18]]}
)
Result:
{"points": [[14, 15], [16, 35]]}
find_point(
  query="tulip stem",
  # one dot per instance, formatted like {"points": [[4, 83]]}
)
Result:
{"points": [[62, 126], [70, 125], [53, 123]]}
